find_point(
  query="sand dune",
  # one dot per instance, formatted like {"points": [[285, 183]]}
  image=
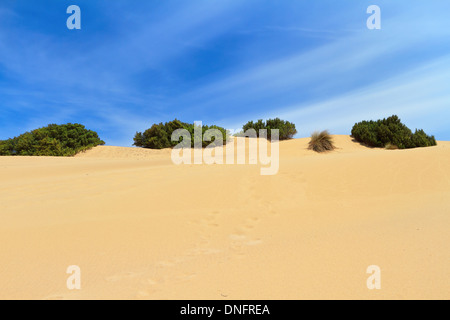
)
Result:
{"points": [[140, 227]]}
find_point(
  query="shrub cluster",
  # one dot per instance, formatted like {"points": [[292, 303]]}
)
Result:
{"points": [[53, 140], [159, 136], [286, 129], [390, 132], [321, 142], [70, 139]]}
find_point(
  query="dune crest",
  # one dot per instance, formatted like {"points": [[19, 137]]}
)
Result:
{"points": [[140, 227]]}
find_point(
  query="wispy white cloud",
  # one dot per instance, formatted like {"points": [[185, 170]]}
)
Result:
{"points": [[417, 96], [95, 79], [359, 76], [140, 68]]}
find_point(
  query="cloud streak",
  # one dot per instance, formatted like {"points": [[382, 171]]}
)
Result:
{"points": [[133, 65]]}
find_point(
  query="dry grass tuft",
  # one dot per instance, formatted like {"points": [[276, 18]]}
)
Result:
{"points": [[321, 142], [390, 146]]}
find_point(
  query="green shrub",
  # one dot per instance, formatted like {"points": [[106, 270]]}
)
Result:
{"points": [[286, 129], [421, 139], [53, 140], [390, 131], [321, 142], [159, 136]]}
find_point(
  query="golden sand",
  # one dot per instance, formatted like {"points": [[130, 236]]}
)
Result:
{"points": [[140, 227]]}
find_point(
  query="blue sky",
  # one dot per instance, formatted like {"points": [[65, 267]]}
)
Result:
{"points": [[135, 63]]}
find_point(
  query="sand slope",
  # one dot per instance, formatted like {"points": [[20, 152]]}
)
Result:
{"points": [[140, 227]]}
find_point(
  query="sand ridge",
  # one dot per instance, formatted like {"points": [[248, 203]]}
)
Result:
{"points": [[140, 227]]}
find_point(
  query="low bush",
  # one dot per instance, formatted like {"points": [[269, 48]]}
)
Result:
{"points": [[286, 129], [390, 132], [321, 142], [159, 136], [53, 140]]}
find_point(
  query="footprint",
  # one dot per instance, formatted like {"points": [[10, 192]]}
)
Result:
{"points": [[126, 275], [238, 237], [204, 251], [186, 277], [165, 264], [254, 242]]}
